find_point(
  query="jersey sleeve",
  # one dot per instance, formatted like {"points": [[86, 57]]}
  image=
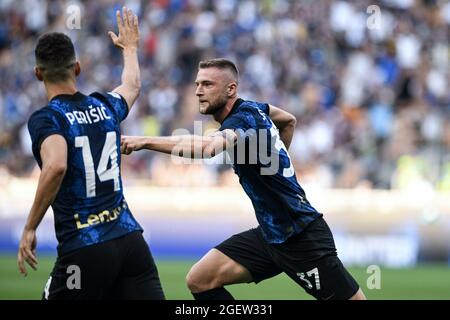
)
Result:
{"points": [[237, 121], [264, 108], [115, 101], [43, 123]]}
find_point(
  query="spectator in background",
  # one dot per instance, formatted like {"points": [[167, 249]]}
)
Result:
{"points": [[363, 97]]}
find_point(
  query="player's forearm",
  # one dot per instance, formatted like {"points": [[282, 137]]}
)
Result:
{"points": [[131, 75], [287, 132], [48, 186], [285, 122], [188, 146]]}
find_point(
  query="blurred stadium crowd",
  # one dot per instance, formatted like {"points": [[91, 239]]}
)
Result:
{"points": [[372, 104]]}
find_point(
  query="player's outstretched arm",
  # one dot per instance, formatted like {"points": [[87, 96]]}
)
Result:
{"points": [[128, 41], [285, 123], [188, 146], [54, 165]]}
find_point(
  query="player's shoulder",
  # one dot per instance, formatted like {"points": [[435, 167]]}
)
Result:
{"points": [[105, 95], [41, 113], [114, 101], [108, 98], [246, 114], [253, 106], [44, 120]]}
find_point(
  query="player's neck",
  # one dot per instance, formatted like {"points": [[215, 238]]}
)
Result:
{"points": [[55, 89], [220, 115]]}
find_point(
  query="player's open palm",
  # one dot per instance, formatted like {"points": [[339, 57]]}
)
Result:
{"points": [[27, 251], [128, 30]]}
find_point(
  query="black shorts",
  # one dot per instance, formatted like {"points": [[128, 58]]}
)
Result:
{"points": [[121, 268], [309, 258]]}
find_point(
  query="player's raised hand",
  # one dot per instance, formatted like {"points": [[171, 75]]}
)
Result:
{"points": [[128, 26], [128, 144], [27, 251]]}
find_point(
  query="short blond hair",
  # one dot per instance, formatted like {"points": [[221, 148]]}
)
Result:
{"points": [[220, 63]]}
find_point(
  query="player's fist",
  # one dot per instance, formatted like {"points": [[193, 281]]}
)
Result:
{"points": [[129, 144], [128, 26]]}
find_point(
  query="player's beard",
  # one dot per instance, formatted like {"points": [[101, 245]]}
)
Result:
{"points": [[214, 106]]}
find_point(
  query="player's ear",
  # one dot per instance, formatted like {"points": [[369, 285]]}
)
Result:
{"points": [[232, 89], [38, 74], [77, 68]]}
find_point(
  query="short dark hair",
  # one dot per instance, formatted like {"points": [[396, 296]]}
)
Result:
{"points": [[55, 55], [220, 63]]}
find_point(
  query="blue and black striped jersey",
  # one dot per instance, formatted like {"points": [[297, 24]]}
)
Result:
{"points": [[266, 173], [90, 207]]}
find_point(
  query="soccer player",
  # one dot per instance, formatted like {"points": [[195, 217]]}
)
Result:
{"points": [[76, 140], [292, 237]]}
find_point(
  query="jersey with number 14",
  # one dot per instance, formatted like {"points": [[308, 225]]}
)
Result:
{"points": [[90, 207]]}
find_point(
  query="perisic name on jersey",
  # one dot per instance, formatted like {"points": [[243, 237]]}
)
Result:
{"points": [[93, 115]]}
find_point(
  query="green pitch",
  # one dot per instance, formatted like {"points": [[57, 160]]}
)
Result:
{"points": [[424, 282]]}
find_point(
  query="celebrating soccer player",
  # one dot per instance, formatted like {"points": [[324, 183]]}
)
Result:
{"points": [[292, 237]]}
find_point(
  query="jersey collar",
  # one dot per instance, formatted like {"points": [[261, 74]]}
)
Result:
{"points": [[236, 104], [74, 97]]}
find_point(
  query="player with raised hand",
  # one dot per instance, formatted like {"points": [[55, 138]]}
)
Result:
{"points": [[76, 142]]}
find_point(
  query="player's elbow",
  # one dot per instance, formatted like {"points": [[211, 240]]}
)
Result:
{"points": [[213, 147], [292, 120], [288, 121], [208, 151], [135, 88], [59, 170], [137, 91], [56, 168]]}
